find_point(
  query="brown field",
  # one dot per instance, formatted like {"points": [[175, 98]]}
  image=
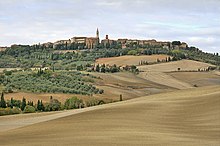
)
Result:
{"points": [[197, 78], [188, 117], [127, 84], [159, 72], [184, 65], [130, 60]]}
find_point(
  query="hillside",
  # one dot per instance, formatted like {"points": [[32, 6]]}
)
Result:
{"points": [[130, 60], [184, 65], [124, 83], [159, 72], [185, 117]]}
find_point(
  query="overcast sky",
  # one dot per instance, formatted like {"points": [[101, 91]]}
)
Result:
{"points": [[196, 22]]}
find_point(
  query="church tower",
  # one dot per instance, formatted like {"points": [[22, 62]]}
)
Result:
{"points": [[97, 33]]}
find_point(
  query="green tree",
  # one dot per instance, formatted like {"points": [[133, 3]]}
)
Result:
{"points": [[2, 103], [97, 69], [40, 106], [169, 59], [29, 109], [103, 68], [121, 97], [79, 67], [73, 103], [23, 103], [53, 105]]}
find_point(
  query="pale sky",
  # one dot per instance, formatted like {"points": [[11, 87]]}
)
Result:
{"points": [[196, 22]]}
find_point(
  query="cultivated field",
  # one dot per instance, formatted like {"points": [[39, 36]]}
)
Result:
{"points": [[130, 60], [159, 72], [197, 78], [186, 117], [184, 65]]}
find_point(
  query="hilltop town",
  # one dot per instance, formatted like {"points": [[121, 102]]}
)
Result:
{"points": [[95, 42]]}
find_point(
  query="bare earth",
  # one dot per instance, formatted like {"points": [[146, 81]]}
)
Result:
{"points": [[159, 72], [130, 60], [197, 78], [188, 117]]}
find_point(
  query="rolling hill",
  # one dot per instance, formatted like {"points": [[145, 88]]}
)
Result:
{"points": [[185, 117], [159, 73], [130, 59]]}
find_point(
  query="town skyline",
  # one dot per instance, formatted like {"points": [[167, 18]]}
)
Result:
{"points": [[30, 22]]}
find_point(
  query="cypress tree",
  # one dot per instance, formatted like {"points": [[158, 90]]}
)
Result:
{"points": [[97, 69], [38, 105], [23, 104], [12, 102], [42, 106], [121, 97], [2, 103]]}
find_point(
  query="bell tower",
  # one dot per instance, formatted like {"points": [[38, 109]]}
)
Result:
{"points": [[97, 33]]}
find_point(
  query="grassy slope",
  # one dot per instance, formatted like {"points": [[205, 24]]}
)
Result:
{"points": [[187, 117]]}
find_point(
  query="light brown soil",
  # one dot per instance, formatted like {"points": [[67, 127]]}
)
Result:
{"points": [[130, 60], [185, 118], [197, 78], [159, 72]]}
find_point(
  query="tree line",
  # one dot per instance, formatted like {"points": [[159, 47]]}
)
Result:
{"points": [[13, 106]]}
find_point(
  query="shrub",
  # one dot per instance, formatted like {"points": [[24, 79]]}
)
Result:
{"points": [[9, 111], [94, 102], [29, 109], [132, 52], [53, 105], [73, 103], [16, 110]]}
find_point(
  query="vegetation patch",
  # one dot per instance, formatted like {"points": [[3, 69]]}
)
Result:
{"points": [[50, 82]]}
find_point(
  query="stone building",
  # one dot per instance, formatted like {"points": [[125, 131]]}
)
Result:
{"points": [[122, 42], [107, 42], [78, 40], [61, 42], [48, 45], [90, 42]]}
